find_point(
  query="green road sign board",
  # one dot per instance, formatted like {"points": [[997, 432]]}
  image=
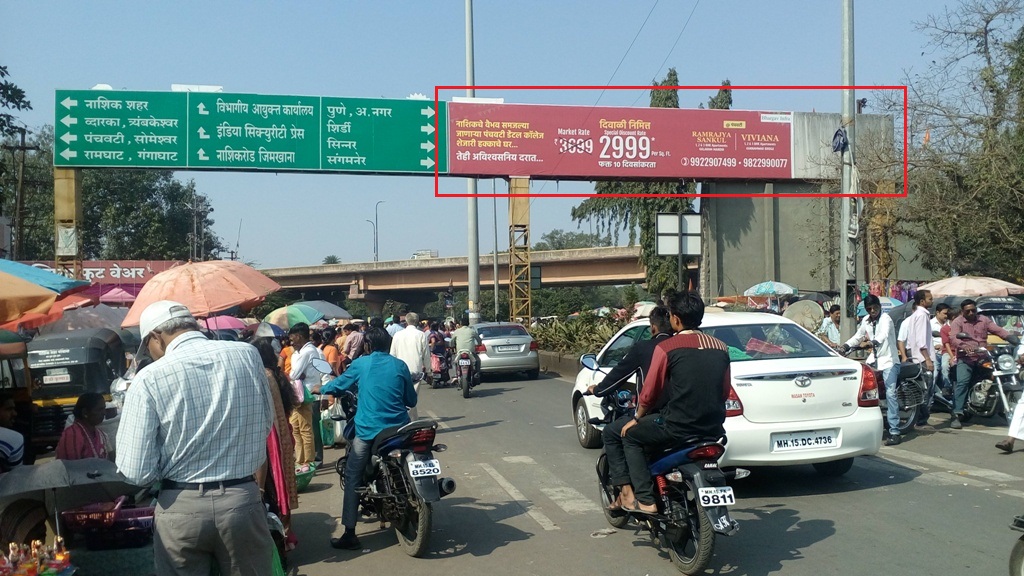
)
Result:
{"points": [[219, 131]]}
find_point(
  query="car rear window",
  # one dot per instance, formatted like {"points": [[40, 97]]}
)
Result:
{"points": [[768, 341], [502, 331]]}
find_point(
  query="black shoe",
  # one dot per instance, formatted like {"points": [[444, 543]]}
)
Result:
{"points": [[893, 440], [346, 542], [954, 422]]}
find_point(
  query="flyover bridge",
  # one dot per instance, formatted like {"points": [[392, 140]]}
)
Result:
{"points": [[417, 281]]}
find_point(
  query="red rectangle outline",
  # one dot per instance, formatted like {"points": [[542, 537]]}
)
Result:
{"points": [[437, 148]]}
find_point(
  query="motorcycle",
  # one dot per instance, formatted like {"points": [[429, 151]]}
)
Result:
{"points": [[465, 371], [1017, 555], [995, 384], [402, 478], [911, 391], [690, 489]]}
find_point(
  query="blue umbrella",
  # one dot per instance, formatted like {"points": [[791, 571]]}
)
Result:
{"points": [[39, 277], [770, 288], [886, 302]]}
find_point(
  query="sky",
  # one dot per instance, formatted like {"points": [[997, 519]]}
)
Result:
{"points": [[391, 49]]}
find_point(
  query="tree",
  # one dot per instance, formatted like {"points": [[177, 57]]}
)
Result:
{"points": [[966, 155], [127, 214], [11, 98], [615, 213], [559, 239], [331, 259]]}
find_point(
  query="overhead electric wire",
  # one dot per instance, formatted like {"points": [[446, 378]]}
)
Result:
{"points": [[671, 50]]}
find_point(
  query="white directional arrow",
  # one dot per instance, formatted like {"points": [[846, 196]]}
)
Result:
{"points": [[202, 155], [68, 154], [427, 162], [69, 138], [429, 128], [68, 121], [428, 146], [68, 102], [428, 112], [202, 109], [202, 134]]}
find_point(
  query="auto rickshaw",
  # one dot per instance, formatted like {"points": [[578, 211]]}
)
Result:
{"points": [[63, 367]]}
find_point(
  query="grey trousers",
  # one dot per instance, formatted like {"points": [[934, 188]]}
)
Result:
{"points": [[227, 527]]}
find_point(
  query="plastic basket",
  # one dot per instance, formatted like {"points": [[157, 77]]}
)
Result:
{"points": [[101, 515], [302, 479]]}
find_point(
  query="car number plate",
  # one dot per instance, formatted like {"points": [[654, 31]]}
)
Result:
{"points": [[56, 378], [511, 348], [717, 496], [423, 468], [808, 440], [465, 362]]}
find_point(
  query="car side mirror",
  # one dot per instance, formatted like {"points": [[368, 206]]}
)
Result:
{"points": [[589, 361]]}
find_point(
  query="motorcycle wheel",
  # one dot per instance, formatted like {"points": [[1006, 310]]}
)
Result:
{"points": [[691, 549], [908, 417], [1017, 558], [464, 384], [413, 531], [1011, 399], [606, 498]]}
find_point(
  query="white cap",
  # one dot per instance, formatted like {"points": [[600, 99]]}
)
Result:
{"points": [[159, 312]]}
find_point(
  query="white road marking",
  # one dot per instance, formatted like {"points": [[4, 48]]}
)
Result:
{"points": [[520, 499], [565, 426], [434, 417], [950, 465], [564, 496], [1015, 493]]}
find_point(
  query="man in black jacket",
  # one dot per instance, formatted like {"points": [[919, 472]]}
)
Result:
{"points": [[638, 359]]}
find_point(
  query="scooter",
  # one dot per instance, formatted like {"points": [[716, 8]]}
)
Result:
{"points": [[995, 385]]}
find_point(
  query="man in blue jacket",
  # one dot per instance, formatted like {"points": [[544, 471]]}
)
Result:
{"points": [[385, 395]]}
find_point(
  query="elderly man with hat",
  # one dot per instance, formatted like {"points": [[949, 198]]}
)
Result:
{"points": [[197, 419]]}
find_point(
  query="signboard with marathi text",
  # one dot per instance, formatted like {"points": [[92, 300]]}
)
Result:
{"points": [[603, 142], [220, 131], [112, 271]]}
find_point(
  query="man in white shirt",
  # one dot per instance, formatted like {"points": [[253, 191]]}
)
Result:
{"points": [[197, 419], [829, 330], [410, 345], [941, 359], [877, 332], [919, 347], [312, 448]]}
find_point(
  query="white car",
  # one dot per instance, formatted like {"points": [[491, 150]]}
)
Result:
{"points": [[800, 402]]}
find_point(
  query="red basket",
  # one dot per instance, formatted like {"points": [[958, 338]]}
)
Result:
{"points": [[100, 515]]}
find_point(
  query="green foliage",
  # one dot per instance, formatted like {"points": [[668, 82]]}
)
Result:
{"points": [[588, 333], [614, 213], [559, 239], [11, 98], [331, 259]]}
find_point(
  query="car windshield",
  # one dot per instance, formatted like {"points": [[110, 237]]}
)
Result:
{"points": [[1012, 322], [501, 331], [768, 342]]}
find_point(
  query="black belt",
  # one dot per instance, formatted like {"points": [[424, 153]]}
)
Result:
{"points": [[213, 484]]}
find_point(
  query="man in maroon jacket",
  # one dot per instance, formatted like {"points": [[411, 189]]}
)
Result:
{"points": [[689, 381]]}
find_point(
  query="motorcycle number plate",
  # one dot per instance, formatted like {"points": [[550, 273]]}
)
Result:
{"points": [[465, 362], [422, 468], [717, 496]]}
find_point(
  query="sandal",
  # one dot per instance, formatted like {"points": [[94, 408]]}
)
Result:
{"points": [[636, 509], [1005, 446]]}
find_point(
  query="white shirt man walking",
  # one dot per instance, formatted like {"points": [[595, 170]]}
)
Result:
{"points": [[410, 345], [197, 419]]}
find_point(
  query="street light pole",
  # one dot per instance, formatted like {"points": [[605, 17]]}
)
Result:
{"points": [[847, 246], [375, 245], [374, 224], [473, 232]]}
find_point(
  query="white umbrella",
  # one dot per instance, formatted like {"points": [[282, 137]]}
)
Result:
{"points": [[971, 286], [770, 288]]}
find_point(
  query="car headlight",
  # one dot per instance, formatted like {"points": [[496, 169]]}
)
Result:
{"points": [[1006, 363]]}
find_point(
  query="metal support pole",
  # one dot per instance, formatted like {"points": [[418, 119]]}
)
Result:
{"points": [[495, 198], [847, 250], [682, 275], [473, 232], [376, 246]]}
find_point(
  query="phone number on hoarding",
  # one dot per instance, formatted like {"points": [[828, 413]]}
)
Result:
{"points": [[717, 162]]}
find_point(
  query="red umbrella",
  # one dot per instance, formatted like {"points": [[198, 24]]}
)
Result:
{"points": [[206, 288]]}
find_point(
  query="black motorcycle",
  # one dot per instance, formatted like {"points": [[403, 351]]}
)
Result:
{"points": [[995, 385], [465, 372], [1017, 555], [690, 489], [402, 478]]}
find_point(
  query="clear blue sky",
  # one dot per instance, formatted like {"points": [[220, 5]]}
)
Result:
{"points": [[393, 49]]}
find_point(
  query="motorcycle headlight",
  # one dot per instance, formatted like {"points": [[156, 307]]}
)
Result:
{"points": [[1006, 363]]}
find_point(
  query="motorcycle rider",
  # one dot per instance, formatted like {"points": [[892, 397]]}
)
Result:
{"points": [[385, 392], [977, 327], [877, 332], [688, 382], [637, 359], [465, 337]]}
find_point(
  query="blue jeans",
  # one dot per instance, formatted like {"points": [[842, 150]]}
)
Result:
{"points": [[964, 374], [892, 408], [358, 452]]}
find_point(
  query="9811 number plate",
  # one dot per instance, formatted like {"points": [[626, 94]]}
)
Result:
{"points": [[465, 362], [717, 496], [421, 468]]}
